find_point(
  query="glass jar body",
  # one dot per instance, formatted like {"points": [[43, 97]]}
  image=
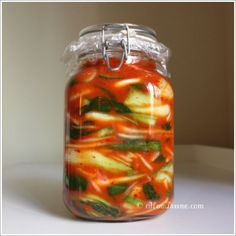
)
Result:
{"points": [[118, 141]]}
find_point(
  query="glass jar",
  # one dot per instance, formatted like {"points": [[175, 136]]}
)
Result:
{"points": [[119, 127]]}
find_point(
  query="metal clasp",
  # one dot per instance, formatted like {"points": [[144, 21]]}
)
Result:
{"points": [[122, 44]]}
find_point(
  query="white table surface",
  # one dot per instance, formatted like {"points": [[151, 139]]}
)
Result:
{"points": [[32, 199]]}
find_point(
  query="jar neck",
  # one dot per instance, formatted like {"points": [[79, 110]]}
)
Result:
{"points": [[140, 58]]}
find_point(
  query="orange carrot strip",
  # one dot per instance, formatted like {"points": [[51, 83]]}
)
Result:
{"points": [[145, 162]]}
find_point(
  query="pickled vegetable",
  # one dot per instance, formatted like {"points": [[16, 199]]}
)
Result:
{"points": [[100, 205], [137, 145], [150, 192], [133, 201], [76, 183], [119, 145], [116, 189], [147, 119]]}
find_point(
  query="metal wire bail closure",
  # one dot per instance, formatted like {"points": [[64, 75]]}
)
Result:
{"points": [[124, 46]]}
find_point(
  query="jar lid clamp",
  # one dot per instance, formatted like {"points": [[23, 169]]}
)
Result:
{"points": [[124, 45]]}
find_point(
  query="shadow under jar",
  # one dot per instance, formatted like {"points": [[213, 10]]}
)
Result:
{"points": [[119, 127]]}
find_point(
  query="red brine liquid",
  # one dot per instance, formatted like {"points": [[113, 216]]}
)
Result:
{"points": [[118, 142]]}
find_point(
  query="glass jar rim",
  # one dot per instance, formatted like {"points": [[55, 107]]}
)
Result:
{"points": [[140, 29]]}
